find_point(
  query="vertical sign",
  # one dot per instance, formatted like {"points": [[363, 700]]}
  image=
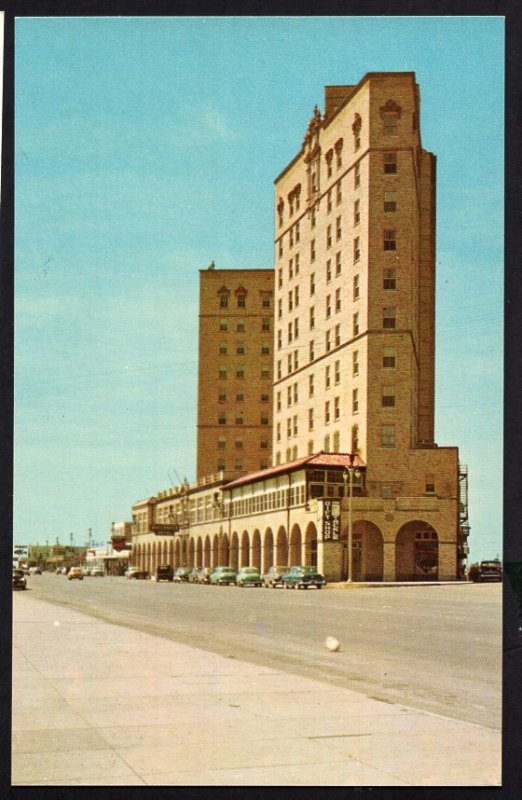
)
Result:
{"points": [[331, 520]]}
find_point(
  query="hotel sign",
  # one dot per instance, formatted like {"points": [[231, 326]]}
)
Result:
{"points": [[164, 530], [331, 520]]}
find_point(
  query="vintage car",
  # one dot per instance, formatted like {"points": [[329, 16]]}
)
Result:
{"points": [[222, 576], [248, 576], [165, 572], [137, 573], [273, 577], [182, 574], [19, 581], [75, 574], [303, 578]]}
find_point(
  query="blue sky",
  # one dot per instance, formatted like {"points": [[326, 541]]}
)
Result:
{"points": [[147, 147]]}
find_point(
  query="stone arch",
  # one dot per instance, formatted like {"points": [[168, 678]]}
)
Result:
{"points": [[281, 547], [234, 551], [223, 550], [295, 546], [165, 556], [206, 552], [177, 553], [310, 557], [148, 562], [199, 552], [184, 552], [171, 552], [191, 552], [268, 550], [255, 559], [135, 556], [367, 552], [215, 551], [245, 550], [417, 552]]}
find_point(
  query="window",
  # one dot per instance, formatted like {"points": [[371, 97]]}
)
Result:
{"points": [[337, 407], [240, 327], [311, 353], [239, 464], [327, 412], [279, 308], [240, 397], [222, 397], [239, 444], [390, 120], [356, 249], [390, 240], [296, 328], [355, 401], [390, 201], [290, 300], [241, 300], [328, 305], [329, 270], [329, 158], [279, 370], [264, 419], [329, 236], [310, 419], [328, 341], [312, 218], [329, 201], [240, 349], [290, 269], [355, 362], [390, 163], [388, 318], [222, 373], [388, 436], [223, 349], [239, 417], [355, 438], [278, 401], [337, 372], [265, 372], [388, 397], [336, 442], [356, 287], [430, 484], [295, 428], [387, 492], [296, 359], [355, 324], [357, 176], [339, 153], [312, 283], [312, 317], [338, 228], [265, 398], [278, 432], [327, 377], [220, 465], [279, 277], [280, 247], [326, 443], [296, 296], [265, 325], [297, 234], [265, 350], [296, 393], [223, 325], [388, 357], [289, 428], [356, 212], [279, 339], [288, 396], [222, 443], [312, 250], [222, 418], [310, 385], [310, 447], [337, 300], [240, 371], [389, 279], [339, 193], [263, 444], [338, 266], [297, 264], [337, 335], [266, 301], [291, 237]]}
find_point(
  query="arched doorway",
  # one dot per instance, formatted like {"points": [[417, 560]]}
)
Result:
{"points": [[215, 551], [206, 552], [311, 545], [295, 546], [199, 552], [281, 548], [268, 550], [171, 553], [191, 552], [256, 550], [234, 552], [417, 552], [223, 550], [245, 550], [367, 552], [177, 553]]}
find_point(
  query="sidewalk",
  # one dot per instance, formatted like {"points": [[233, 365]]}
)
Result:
{"points": [[102, 705]]}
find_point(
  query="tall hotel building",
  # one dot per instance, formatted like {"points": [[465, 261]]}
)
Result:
{"points": [[354, 462]]}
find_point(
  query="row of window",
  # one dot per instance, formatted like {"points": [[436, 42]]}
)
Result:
{"points": [[240, 418], [241, 349], [238, 465], [239, 444], [240, 397], [241, 325], [239, 372], [389, 242], [241, 299]]}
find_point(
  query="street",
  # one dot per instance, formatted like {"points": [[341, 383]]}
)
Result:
{"points": [[434, 648]]}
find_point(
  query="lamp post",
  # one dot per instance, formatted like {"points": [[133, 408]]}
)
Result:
{"points": [[348, 476]]}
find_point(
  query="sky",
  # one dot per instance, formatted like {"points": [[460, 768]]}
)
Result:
{"points": [[148, 147]]}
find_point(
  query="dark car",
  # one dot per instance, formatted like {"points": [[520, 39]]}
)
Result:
{"points": [[204, 574], [303, 578], [165, 572], [274, 577], [182, 574], [489, 571], [138, 574], [194, 575], [19, 581]]}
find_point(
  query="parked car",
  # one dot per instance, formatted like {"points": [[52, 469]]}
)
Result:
{"points": [[303, 578], [222, 576], [486, 571], [58, 571], [137, 573], [35, 571], [274, 577], [75, 573], [87, 572], [193, 576], [204, 574], [165, 572], [249, 576], [181, 575], [98, 572], [19, 581]]}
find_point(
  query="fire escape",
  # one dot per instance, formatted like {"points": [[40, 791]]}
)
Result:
{"points": [[463, 533]]}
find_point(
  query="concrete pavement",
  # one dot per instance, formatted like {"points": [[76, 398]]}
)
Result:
{"points": [[103, 705]]}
